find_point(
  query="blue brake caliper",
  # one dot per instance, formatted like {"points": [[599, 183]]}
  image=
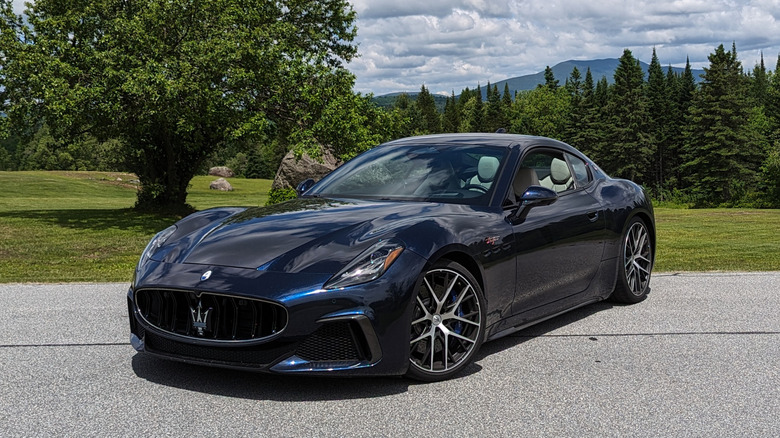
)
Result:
{"points": [[458, 326]]}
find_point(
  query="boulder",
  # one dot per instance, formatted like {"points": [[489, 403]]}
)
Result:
{"points": [[292, 171], [221, 184], [223, 171]]}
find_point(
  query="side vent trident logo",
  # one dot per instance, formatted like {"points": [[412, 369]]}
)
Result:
{"points": [[200, 318]]}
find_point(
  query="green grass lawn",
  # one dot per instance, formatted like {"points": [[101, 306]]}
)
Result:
{"points": [[717, 240], [79, 227]]}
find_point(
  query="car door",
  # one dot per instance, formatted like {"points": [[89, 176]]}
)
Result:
{"points": [[558, 247]]}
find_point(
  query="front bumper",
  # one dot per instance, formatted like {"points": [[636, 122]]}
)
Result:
{"points": [[359, 330]]}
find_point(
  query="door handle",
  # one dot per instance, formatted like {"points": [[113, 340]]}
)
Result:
{"points": [[593, 216]]}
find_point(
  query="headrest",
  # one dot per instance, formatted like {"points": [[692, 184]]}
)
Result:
{"points": [[559, 171], [524, 178], [487, 167]]}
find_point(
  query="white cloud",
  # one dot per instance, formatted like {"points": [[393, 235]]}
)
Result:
{"points": [[453, 44]]}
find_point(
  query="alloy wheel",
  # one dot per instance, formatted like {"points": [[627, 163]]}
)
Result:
{"points": [[446, 322], [637, 258]]}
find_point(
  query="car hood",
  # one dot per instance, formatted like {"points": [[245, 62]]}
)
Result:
{"points": [[303, 235]]}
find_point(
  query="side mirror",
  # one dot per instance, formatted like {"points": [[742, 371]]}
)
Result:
{"points": [[538, 195], [534, 196], [304, 186]]}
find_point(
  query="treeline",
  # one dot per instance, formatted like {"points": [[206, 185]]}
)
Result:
{"points": [[715, 144], [42, 151], [712, 144]]}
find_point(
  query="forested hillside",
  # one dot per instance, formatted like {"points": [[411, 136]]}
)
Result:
{"points": [[712, 144]]}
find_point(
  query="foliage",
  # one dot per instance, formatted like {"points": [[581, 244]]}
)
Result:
{"points": [[276, 196], [721, 153], [174, 80], [541, 111], [770, 171]]}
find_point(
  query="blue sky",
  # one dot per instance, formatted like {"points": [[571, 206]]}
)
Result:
{"points": [[451, 44]]}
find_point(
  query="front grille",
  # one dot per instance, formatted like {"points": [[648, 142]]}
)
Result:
{"points": [[256, 356], [334, 341], [210, 316]]}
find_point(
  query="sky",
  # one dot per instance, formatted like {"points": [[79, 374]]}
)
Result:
{"points": [[452, 44], [448, 45]]}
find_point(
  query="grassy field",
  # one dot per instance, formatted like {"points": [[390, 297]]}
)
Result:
{"points": [[79, 227]]}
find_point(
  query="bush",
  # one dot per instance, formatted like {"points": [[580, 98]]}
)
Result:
{"points": [[276, 196]]}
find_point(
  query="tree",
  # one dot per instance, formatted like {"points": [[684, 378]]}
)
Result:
{"points": [[721, 154], [451, 119], [659, 110], [541, 111], [494, 114], [175, 79], [430, 118], [476, 113], [549, 79], [628, 154], [759, 85]]}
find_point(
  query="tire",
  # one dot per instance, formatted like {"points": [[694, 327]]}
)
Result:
{"points": [[636, 256], [448, 322]]}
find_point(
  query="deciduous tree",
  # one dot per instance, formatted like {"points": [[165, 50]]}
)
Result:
{"points": [[174, 79]]}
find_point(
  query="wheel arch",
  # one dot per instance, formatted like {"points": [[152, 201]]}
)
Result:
{"points": [[464, 259]]}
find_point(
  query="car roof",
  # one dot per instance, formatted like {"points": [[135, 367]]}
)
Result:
{"points": [[481, 139]]}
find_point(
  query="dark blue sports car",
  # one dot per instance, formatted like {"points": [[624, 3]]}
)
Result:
{"points": [[402, 261]]}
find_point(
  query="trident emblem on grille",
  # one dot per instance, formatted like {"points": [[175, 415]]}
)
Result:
{"points": [[200, 318]]}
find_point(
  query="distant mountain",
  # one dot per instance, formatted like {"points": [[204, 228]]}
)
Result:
{"points": [[598, 68], [388, 100]]}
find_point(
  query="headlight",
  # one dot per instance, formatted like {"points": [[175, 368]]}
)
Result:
{"points": [[368, 266], [157, 241]]}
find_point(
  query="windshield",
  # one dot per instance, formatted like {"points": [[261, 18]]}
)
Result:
{"points": [[455, 174]]}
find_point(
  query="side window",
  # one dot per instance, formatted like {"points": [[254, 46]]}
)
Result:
{"points": [[581, 173], [543, 168]]}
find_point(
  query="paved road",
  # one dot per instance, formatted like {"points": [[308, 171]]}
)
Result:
{"points": [[700, 357]]}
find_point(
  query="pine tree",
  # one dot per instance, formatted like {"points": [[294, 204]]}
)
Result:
{"points": [[506, 98], [576, 119], [476, 119], [721, 154], [628, 154], [494, 115], [451, 119], [759, 84], [549, 79], [426, 105], [411, 122], [659, 108]]}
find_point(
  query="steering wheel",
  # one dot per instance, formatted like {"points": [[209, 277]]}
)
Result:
{"points": [[482, 189]]}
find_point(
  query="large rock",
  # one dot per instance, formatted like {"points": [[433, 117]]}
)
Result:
{"points": [[223, 171], [292, 171], [221, 184]]}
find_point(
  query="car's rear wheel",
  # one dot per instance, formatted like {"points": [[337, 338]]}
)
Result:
{"points": [[448, 322], [633, 281]]}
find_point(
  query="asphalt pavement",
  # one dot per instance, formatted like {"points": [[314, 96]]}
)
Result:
{"points": [[699, 357]]}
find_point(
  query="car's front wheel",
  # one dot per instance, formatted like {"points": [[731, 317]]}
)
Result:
{"points": [[633, 281], [448, 322]]}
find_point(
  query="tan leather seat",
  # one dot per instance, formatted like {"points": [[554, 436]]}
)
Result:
{"points": [[524, 178]]}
